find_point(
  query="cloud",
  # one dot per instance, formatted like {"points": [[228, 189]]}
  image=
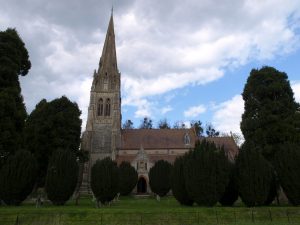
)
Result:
{"points": [[166, 109], [194, 111], [296, 90], [227, 115]]}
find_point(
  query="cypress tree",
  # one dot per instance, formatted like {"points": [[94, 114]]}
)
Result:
{"points": [[206, 173], [231, 193], [178, 181], [105, 180], [62, 175], [254, 176], [159, 177], [288, 170], [127, 178], [17, 177]]}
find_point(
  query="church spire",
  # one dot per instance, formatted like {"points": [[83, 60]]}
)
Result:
{"points": [[108, 60]]}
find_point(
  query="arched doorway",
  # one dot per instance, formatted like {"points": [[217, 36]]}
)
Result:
{"points": [[141, 186]]}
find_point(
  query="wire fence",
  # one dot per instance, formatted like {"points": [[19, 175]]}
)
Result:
{"points": [[206, 216]]}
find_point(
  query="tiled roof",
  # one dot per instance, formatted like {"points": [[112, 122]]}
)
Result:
{"points": [[156, 138]]}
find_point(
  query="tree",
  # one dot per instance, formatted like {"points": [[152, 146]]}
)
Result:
{"points": [[197, 125], [163, 124], [62, 176], [178, 181], [17, 177], [254, 175], [211, 131], [159, 177], [206, 173], [51, 126], [270, 117], [128, 125], [128, 178], [105, 180], [146, 123], [14, 61], [287, 167], [179, 125]]}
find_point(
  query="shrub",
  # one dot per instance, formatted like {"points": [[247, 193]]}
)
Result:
{"points": [[17, 178], [105, 180], [159, 178], [62, 175], [127, 178], [231, 193]]}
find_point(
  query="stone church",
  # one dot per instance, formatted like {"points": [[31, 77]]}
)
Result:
{"points": [[104, 137]]}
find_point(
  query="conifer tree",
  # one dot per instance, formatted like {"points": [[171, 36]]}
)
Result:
{"points": [[62, 175], [206, 174], [159, 177], [17, 177], [127, 178], [254, 176], [14, 61], [105, 180], [178, 181]]}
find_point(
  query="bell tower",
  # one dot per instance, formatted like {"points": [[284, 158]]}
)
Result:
{"points": [[102, 136]]}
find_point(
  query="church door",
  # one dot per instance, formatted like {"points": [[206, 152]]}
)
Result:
{"points": [[141, 186]]}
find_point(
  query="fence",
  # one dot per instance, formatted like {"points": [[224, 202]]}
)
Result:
{"points": [[204, 216]]}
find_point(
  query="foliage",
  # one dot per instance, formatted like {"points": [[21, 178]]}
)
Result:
{"points": [[14, 61], [62, 175], [17, 177], [254, 175], [146, 123], [211, 131], [105, 180], [159, 177], [127, 178], [50, 126], [270, 116], [198, 127], [178, 181], [206, 173], [179, 125], [287, 167], [128, 124], [163, 124]]}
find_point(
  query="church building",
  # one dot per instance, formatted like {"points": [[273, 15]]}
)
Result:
{"points": [[104, 136]]}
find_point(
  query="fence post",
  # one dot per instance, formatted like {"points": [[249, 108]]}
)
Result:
{"points": [[252, 216], [17, 220], [217, 216], [101, 219], [270, 213], [141, 218], [198, 218], [234, 217], [288, 217]]}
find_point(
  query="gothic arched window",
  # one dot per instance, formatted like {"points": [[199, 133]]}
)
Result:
{"points": [[187, 139], [107, 107], [100, 107]]}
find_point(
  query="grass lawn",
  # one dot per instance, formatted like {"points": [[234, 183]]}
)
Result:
{"points": [[132, 211]]}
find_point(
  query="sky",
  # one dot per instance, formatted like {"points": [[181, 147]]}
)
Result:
{"points": [[179, 60]]}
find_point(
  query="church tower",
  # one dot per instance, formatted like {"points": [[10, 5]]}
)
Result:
{"points": [[102, 136]]}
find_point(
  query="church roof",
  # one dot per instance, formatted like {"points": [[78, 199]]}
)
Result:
{"points": [[156, 138]]}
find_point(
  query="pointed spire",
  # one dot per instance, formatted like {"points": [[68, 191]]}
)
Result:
{"points": [[108, 60]]}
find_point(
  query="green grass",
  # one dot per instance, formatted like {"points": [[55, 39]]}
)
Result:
{"points": [[132, 211]]}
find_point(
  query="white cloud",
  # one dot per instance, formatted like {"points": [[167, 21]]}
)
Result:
{"points": [[194, 111], [296, 90], [227, 115], [166, 109]]}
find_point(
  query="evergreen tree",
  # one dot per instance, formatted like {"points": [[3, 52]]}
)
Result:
{"points": [[270, 117], [231, 193], [287, 167], [14, 61], [50, 126], [17, 177], [127, 178], [62, 176], [211, 131], [178, 181], [159, 177], [105, 180], [206, 173], [254, 176], [198, 127]]}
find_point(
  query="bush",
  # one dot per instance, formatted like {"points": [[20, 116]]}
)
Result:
{"points": [[288, 170], [17, 178], [105, 180], [159, 178], [206, 173], [62, 176], [254, 176], [127, 178], [178, 181]]}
